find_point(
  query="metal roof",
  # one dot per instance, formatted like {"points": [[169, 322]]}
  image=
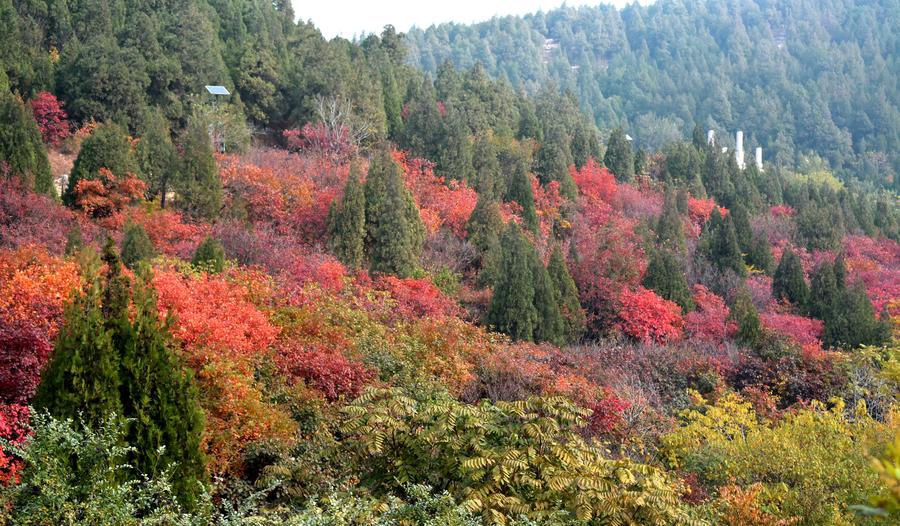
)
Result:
{"points": [[218, 90]]}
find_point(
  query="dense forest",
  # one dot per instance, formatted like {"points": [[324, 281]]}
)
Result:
{"points": [[356, 291], [804, 79]]}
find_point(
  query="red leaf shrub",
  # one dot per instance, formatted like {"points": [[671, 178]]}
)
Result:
{"points": [[416, 298], [13, 428], [24, 350], [782, 210], [51, 118], [326, 370], [795, 377], [594, 182], [804, 331], [709, 322], [646, 317], [27, 218], [606, 412], [108, 195], [442, 203]]}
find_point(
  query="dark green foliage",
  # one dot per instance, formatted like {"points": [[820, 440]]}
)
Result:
{"points": [[113, 359], [200, 187], [619, 157], [512, 309], [665, 276], [670, 227], [74, 240], [136, 246], [573, 315], [550, 326], [394, 229], [485, 166], [742, 230], [853, 321], [483, 231], [821, 226], [22, 153], [455, 161], [210, 255], [743, 312], [823, 292], [760, 254], [107, 147], [554, 158], [788, 283], [347, 223], [157, 157], [683, 162], [519, 190], [719, 245]]}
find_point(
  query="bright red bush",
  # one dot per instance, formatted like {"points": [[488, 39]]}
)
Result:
{"points": [[416, 298], [709, 322], [646, 317], [27, 218], [802, 330], [51, 118], [327, 371], [442, 203], [13, 428], [594, 181], [107, 196], [606, 412]]}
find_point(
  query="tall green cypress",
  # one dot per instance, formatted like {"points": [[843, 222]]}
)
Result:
{"points": [[549, 326], [394, 229], [742, 229], [347, 223], [574, 319], [200, 187], [554, 158], [744, 313], [519, 190], [823, 292], [157, 156], [619, 157], [665, 276], [788, 283], [670, 228], [22, 152], [483, 231], [107, 147], [136, 246], [853, 322], [719, 245], [760, 254], [512, 308]]}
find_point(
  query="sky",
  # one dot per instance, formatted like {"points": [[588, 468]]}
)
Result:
{"points": [[347, 18]]}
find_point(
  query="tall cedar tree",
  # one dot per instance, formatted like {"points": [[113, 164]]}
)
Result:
{"points": [[669, 227], [554, 158], [619, 157], [760, 254], [744, 313], [210, 255], [788, 283], [114, 356], [347, 223], [549, 326], [823, 292], [157, 157], [22, 153], [574, 319], [665, 276], [136, 246], [853, 322], [512, 308], [200, 187], [394, 229], [519, 190], [483, 232], [107, 147], [719, 244]]}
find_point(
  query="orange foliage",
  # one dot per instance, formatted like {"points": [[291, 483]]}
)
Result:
{"points": [[105, 197], [442, 203], [34, 287]]}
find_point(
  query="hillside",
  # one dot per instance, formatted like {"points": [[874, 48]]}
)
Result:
{"points": [[353, 293], [799, 77]]}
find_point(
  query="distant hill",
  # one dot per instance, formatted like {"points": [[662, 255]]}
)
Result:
{"points": [[799, 77]]}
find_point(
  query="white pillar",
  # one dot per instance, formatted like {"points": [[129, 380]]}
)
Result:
{"points": [[739, 150], [711, 137], [759, 158]]}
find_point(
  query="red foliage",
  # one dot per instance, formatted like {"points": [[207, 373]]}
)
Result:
{"points": [[709, 322], [319, 139], [795, 377], [805, 331], [877, 264], [24, 350], [27, 218], [326, 370], [639, 203], [416, 298], [606, 412], [51, 118], [442, 203], [782, 210], [107, 196], [168, 231], [645, 316], [547, 202], [594, 182], [13, 428]]}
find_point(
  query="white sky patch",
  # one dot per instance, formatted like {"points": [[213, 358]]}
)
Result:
{"points": [[348, 18]]}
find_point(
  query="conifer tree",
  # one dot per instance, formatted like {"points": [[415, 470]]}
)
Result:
{"points": [[742, 229], [107, 147], [512, 308], [823, 292], [619, 157], [456, 155], [394, 229], [853, 322], [669, 227], [744, 313], [210, 255], [136, 246], [483, 231], [719, 245], [788, 283], [520, 191], [74, 240], [549, 326], [22, 152], [485, 166], [157, 156], [200, 187], [665, 276], [574, 319], [554, 158], [347, 223], [760, 254]]}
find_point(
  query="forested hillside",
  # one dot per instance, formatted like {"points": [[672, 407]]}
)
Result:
{"points": [[799, 77], [354, 293]]}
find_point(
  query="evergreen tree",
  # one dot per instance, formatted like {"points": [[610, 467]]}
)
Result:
{"points": [[200, 187], [519, 190], [840, 272], [22, 152], [136, 246], [512, 309], [157, 156], [788, 283], [573, 316], [554, 158], [107, 147], [669, 227], [665, 277], [394, 229], [619, 158], [743, 312], [853, 322], [485, 166], [347, 223], [742, 229], [549, 326], [823, 292], [74, 240], [483, 232], [719, 245], [210, 255], [455, 161], [760, 254]]}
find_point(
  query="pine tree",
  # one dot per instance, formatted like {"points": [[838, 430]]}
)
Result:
{"points": [[512, 308], [549, 326], [157, 157], [788, 283], [670, 228], [22, 152], [520, 191], [743, 312], [554, 158], [456, 155], [619, 158], [107, 147], [136, 246], [853, 322], [574, 319], [760, 254], [485, 166], [823, 292], [665, 277], [483, 231], [210, 255], [200, 187], [394, 229], [742, 229], [347, 223], [719, 245]]}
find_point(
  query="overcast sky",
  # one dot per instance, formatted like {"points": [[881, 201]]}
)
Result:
{"points": [[353, 17]]}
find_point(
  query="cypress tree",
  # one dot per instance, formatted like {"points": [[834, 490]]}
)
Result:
{"points": [[669, 227], [210, 255], [485, 166], [574, 319], [840, 272], [157, 156], [788, 283], [760, 254], [823, 292], [742, 229], [394, 228], [136, 246], [743, 312], [347, 223], [512, 309], [719, 244], [549, 326], [665, 277], [619, 157], [74, 240], [519, 190], [107, 147], [554, 158], [22, 152], [483, 232], [200, 187], [457, 154], [853, 322]]}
